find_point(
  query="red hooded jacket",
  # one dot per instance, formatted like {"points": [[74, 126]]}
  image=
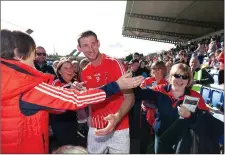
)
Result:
{"points": [[26, 97]]}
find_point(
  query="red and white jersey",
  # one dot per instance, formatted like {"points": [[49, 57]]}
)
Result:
{"points": [[109, 70]]}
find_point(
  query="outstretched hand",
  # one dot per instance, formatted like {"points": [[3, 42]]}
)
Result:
{"points": [[127, 81]]}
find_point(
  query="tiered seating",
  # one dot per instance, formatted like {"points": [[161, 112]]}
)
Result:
{"points": [[206, 94], [213, 97], [216, 99], [215, 77]]}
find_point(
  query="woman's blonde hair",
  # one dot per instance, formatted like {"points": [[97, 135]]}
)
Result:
{"points": [[69, 149], [185, 69]]}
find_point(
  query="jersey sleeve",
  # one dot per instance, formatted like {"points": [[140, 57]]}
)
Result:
{"points": [[62, 98], [118, 69], [145, 83]]}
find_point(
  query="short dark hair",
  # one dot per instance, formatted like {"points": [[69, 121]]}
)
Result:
{"points": [[7, 45], [40, 47], [136, 53], [24, 44], [86, 34]]}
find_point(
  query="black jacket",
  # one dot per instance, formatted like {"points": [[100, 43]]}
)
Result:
{"points": [[206, 78], [45, 68]]}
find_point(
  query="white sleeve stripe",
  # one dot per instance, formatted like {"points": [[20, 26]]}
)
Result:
{"points": [[73, 100], [55, 87], [65, 92], [59, 97], [73, 97], [55, 81]]}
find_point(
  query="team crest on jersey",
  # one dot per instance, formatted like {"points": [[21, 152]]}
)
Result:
{"points": [[97, 76]]}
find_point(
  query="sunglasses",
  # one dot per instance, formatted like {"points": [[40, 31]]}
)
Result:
{"points": [[178, 76], [39, 54]]}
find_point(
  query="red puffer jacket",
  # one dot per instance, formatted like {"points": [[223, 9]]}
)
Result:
{"points": [[28, 133]]}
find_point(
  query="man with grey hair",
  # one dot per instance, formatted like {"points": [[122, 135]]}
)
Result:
{"points": [[201, 76]]}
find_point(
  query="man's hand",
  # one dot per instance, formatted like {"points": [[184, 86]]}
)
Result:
{"points": [[127, 81], [112, 119]]}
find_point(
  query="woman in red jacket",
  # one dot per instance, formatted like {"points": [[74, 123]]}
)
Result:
{"points": [[64, 124], [27, 97]]}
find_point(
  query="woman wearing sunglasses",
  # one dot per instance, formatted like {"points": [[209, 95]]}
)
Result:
{"points": [[173, 119]]}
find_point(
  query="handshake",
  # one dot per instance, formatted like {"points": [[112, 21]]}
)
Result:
{"points": [[124, 82], [79, 86]]}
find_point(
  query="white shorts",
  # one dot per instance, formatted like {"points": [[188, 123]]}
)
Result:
{"points": [[115, 142]]}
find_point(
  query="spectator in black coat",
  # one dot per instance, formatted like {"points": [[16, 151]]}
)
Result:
{"points": [[40, 62]]}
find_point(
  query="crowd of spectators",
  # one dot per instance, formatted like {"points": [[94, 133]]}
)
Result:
{"points": [[201, 56], [158, 122]]}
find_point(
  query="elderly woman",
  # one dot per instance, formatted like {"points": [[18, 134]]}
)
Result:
{"points": [[64, 125]]}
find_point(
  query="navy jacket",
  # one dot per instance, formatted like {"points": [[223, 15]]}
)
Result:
{"points": [[167, 112]]}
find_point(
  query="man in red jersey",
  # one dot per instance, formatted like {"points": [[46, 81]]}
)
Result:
{"points": [[100, 71]]}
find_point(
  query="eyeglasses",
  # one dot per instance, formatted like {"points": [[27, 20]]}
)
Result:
{"points": [[178, 76], [39, 54]]}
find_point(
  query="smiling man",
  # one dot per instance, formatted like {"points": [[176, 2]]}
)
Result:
{"points": [[100, 71]]}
